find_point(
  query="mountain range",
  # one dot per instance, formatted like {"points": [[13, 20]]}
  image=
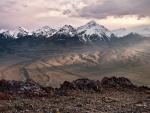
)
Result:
{"points": [[91, 31], [51, 56]]}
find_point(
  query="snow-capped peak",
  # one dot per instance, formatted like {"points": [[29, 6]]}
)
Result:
{"points": [[6, 33], [20, 32], [45, 31], [68, 30], [93, 28]]}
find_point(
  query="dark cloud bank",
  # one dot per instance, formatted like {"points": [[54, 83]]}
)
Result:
{"points": [[116, 8]]}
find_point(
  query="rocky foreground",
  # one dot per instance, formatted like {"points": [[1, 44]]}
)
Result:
{"points": [[110, 95]]}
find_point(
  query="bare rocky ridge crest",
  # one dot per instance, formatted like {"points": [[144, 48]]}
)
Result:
{"points": [[30, 89]]}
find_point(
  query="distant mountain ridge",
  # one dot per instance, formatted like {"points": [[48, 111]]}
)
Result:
{"points": [[143, 31], [89, 32]]}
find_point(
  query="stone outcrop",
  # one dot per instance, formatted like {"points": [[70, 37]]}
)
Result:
{"points": [[31, 89], [85, 84]]}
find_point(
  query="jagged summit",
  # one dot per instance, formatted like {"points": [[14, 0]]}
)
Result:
{"points": [[92, 23], [67, 30], [6, 33], [45, 31], [21, 32]]}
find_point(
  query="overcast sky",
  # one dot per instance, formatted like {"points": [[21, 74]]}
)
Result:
{"points": [[111, 13]]}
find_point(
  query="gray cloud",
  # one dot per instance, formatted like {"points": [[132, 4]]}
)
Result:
{"points": [[66, 12], [118, 8], [49, 12]]}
